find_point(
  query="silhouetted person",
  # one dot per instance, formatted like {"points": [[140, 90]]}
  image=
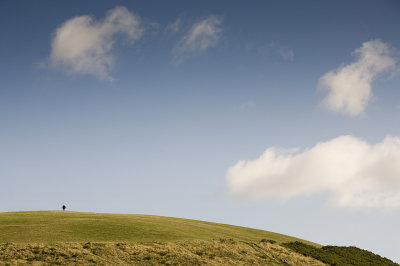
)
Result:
{"points": [[64, 207]]}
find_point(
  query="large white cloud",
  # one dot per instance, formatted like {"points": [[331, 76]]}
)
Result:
{"points": [[83, 45], [349, 87], [354, 173], [202, 35]]}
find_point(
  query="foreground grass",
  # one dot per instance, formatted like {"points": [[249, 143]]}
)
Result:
{"points": [[58, 226], [193, 252]]}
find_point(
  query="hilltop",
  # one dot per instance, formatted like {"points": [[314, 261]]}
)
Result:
{"points": [[59, 226]]}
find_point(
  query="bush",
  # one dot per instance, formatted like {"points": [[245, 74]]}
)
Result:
{"points": [[335, 255], [264, 240]]}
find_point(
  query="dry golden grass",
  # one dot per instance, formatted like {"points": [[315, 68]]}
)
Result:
{"points": [[190, 252]]}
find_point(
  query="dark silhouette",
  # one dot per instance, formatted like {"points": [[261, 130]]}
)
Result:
{"points": [[63, 207]]}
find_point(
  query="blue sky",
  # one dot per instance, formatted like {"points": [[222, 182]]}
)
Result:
{"points": [[193, 110]]}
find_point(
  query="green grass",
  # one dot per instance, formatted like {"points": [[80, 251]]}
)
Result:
{"points": [[61, 227]]}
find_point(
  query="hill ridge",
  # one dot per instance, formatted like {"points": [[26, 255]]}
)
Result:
{"points": [[89, 226]]}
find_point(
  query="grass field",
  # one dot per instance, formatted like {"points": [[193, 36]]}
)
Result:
{"points": [[76, 238], [58, 226], [57, 237]]}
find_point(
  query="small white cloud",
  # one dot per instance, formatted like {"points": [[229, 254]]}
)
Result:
{"points": [[201, 36], [83, 45], [349, 87], [354, 173]]}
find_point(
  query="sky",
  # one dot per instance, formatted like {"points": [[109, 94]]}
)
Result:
{"points": [[277, 115]]}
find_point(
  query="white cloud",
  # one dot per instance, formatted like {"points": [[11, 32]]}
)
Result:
{"points": [[83, 45], [201, 36], [349, 87], [354, 173]]}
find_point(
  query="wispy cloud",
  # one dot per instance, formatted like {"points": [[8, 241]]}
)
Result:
{"points": [[175, 26], [284, 51], [349, 87], [83, 45], [201, 36], [355, 173]]}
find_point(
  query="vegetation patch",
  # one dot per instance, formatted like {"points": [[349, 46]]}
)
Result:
{"points": [[335, 255]]}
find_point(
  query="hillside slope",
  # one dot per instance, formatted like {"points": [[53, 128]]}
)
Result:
{"points": [[58, 226], [183, 252], [56, 237]]}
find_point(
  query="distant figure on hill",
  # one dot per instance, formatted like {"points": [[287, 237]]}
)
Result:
{"points": [[63, 207]]}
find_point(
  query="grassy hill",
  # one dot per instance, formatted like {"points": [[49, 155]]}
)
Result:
{"points": [[59, 226], [56, 237]]}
